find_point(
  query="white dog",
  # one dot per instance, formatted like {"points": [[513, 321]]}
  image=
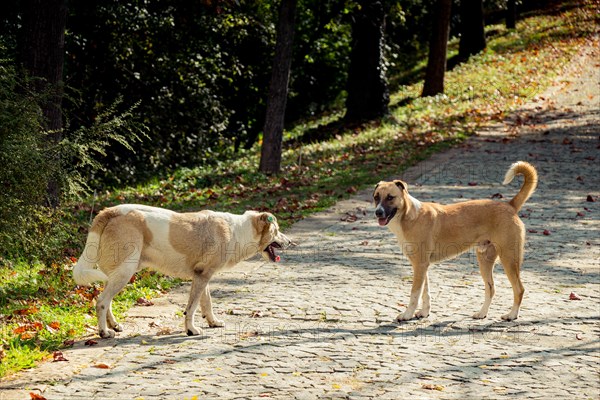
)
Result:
{"points": [[129, 237]]}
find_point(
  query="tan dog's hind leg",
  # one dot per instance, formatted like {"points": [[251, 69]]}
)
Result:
{"points": [[486, 256], [207, 311], [419, 281], [511, 261]]}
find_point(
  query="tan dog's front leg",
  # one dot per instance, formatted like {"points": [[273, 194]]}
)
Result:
{"points": [[207, 311], [419, 280], [426, 306]]}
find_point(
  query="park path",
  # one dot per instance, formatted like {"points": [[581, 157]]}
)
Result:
{"points": [[321, 323]]}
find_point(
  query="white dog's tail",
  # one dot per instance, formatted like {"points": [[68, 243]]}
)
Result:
{"points": [[84, 272], [529, 184]]}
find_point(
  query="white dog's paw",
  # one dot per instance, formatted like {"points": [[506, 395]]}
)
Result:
{"points": [[480, 315], [193, 331], [106, 333], [215, 323], [404, 316], [422, 314]]}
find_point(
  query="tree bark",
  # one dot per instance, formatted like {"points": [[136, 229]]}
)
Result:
{"points": [[472, 33], [368, 95], [41, 51], [438, 45], [270, 157], [511, 14]]}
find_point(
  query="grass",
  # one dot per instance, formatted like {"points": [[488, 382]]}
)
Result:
{"points": [[40, 307]]}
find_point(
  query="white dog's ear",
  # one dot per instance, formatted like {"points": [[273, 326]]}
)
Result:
{"points": [[263, 220]]}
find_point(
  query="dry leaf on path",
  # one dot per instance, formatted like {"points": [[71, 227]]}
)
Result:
{"points": [[58, 356], [574, 296]]}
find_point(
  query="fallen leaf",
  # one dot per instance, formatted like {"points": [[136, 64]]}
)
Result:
{"points": [[546, 232], [58, 356], [91, 342], [102, 366], [472, 183], [590, 198], [54, 325], [264, 374], [532, 231], [35, 396], [256, 314], [580, 214], [430, 386], [336, 386], [364, 243], [351, 190], [144, 302], [579, 336], [574, 296], [68, 342], [264, 395], [497, 196], [169, 361]]}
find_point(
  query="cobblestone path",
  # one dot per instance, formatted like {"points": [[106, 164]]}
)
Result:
{"points": [[321, 323]]}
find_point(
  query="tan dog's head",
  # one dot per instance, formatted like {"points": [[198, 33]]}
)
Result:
{"points": [[390, 200], [270, 237]]}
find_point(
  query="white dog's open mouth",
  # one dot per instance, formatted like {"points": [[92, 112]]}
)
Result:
{"points": [[386, 220], [270, 250]]}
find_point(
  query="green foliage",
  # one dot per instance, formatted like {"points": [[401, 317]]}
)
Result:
{"points": [[29, 230]]}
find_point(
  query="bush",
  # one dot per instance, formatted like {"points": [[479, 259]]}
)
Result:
{"points": [[28, 229]]}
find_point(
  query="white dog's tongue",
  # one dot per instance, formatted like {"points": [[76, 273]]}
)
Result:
{"points": [[382, 221]]}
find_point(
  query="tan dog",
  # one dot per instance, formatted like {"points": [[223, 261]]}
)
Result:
{"points": [[430, 232], [129, 237]]}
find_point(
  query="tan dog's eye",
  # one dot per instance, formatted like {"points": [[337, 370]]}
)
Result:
{"points": [[389, 197], [377, 198]]}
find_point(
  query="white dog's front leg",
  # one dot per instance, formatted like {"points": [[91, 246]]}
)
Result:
{"points": [[419, 279], [199, 284], [207, 311]]}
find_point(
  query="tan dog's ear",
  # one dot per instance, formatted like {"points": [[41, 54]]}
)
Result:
{"points": [[375, 188], [401, 184]]}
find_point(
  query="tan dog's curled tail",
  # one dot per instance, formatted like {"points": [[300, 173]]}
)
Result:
{"points": [[84, 272], [530, 183]]}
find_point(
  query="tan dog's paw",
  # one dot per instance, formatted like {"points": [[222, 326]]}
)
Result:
{"points": [[216, 323], [510, 316], [422, 314], [479, 315], [404, 316]]}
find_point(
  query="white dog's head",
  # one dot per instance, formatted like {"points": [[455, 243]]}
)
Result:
{"points": [[270, 237]]}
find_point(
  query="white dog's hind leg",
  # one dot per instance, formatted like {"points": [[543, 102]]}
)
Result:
{"points": [[116, 282], [419, 277], [207, 311]]}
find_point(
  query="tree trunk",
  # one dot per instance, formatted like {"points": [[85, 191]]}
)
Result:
{"points": [[368, 95], [270, 157], [436, 62], [42, 53], [472, 33], [511, 14]]}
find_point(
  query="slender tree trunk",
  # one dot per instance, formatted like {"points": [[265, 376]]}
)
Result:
{"points": [[368, 95], [511, 14], [438, 45], [472, 33], [270, 157], [42, 55]]}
